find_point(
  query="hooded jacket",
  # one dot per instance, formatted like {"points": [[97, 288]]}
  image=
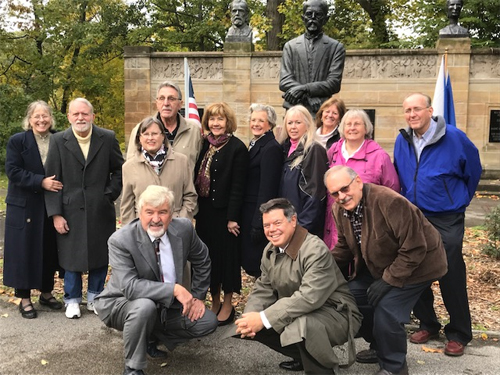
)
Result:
{"points": [[443, 181]]}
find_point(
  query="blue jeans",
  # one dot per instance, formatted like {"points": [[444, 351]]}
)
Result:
{"points": [[73, 285]]}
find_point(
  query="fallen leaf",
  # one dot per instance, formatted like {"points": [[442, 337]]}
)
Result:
{"points": [[164, 364], [432, 350], [5, 315], [44, 362], [421, 362], [484, 336]]}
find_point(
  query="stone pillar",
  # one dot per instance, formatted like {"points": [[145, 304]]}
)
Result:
{"points": [[459, 54], [237, 84], [137, 76]]}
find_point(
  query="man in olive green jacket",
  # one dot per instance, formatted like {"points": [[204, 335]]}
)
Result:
{"points": [[397, 254], [301, 305]]}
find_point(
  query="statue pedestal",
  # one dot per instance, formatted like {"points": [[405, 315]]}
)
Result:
{"points": [[238, 46], [453, 45]]}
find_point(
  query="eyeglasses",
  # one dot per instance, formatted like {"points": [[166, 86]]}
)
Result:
{"points": [[150, 135], [343, 190], [415, 110], [312, 14], [169, 99], [39, 117]]}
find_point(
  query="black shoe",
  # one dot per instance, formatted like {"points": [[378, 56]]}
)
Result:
{"points": [[229, 319], [294, 365], [367, 356], [27, 314], [154, 352], [132, 371], [52, 303]]}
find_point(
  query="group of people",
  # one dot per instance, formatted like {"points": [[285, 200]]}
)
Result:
{"points": [[341, 240]]}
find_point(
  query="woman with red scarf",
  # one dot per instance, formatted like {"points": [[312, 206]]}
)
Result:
{"points": [[220, 177]]}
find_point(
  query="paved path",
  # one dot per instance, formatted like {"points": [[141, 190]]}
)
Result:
{"points": [[86, 346]]}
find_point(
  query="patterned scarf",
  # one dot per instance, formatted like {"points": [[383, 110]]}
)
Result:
{"points": [[202, 183], [156, 161]]}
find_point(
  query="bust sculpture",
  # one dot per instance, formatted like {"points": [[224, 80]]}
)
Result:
{"points": [[454, 30], [312, 64], [240, 31]]}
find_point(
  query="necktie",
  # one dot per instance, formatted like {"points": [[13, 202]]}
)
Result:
{"points": [[156, 244]]}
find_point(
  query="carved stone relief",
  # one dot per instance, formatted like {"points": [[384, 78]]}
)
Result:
{"points": [[266, 68], [200, 68], [362, 67], [380, 67], [484, 66]]}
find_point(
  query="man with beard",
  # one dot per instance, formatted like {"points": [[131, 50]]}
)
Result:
{"points": [[184, 134], [144, 297], [312, 64], [454, 30], [239, 31], [88, 161]]}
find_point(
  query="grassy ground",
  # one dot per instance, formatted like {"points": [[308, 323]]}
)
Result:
{"points": [[3, 190]]}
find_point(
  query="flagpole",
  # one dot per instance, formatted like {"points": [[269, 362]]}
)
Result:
{"points": [[446, 59], [186, 88]]}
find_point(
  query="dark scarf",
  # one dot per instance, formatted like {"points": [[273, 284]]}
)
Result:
{"points": [[156, 161], [202, 183]]}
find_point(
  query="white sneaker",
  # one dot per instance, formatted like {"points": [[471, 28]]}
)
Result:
{"points": [[91, 307], [73, 311]]}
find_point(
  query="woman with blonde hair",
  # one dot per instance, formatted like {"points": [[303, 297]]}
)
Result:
{"points": [[30, 251], [220, 177], [305, 163], [263, 179]]}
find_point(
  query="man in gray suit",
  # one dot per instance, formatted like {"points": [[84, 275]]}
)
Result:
{"points": [[312, 64], [144, 297]]}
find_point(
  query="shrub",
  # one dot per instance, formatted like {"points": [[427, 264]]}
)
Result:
{"points": [[492, 225]]}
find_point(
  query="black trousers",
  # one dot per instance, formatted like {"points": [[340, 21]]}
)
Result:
{"points": [[453, 285], [271, 338]]}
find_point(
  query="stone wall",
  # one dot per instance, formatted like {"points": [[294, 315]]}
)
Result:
{"points": [[373, 79]]}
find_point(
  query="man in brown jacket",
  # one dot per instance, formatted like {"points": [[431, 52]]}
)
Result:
{"points": [[397, 255]]}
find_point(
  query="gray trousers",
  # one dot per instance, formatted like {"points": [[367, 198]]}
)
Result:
{"points": [[140, 322]]}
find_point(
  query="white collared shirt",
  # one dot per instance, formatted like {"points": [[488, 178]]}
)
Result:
{"points": [[421, 142], [166, 258], [345, 154]]}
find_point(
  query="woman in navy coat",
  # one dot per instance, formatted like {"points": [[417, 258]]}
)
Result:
{"points": [[30, 255], [220, 176], [263, 180]]}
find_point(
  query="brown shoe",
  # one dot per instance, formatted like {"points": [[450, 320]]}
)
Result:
{"points": [[422, 336], [454, 348]]}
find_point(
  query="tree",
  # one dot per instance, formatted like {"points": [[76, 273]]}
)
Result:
{"points": [[64, 48]]}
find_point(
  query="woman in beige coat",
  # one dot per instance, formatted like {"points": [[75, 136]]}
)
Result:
{"points": [[156, 163]]}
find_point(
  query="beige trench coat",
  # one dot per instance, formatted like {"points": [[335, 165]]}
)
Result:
{"points": [[304, 296], [175, 174]]}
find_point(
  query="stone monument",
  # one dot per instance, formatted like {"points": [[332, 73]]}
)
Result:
{"points": [[454, 30], [239, 31], [312, 64]]}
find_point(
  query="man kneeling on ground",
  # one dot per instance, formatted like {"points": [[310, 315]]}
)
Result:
{"points": [[301, 305], [144, 297]]}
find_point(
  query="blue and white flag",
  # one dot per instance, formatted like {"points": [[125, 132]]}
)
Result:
{"points": [[442, 102]]}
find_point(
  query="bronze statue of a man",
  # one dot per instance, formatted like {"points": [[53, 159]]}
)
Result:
{"points": [[454, 30], [312, 64], [240, 31]]}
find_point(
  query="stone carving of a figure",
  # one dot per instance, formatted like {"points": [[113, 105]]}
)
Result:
{"points": [[312, 64], [454, 30], [240, 15]]}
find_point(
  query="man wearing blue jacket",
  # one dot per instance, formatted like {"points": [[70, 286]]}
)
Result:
{"points": [[439, 169]]}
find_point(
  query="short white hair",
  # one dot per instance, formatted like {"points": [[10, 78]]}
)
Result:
{"points": [[156, 196]]}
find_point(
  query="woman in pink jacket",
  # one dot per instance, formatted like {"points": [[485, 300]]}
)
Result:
{"points": [[358, 151]]}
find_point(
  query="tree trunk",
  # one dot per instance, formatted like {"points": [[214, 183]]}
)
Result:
{"points": [[274, 43]]}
